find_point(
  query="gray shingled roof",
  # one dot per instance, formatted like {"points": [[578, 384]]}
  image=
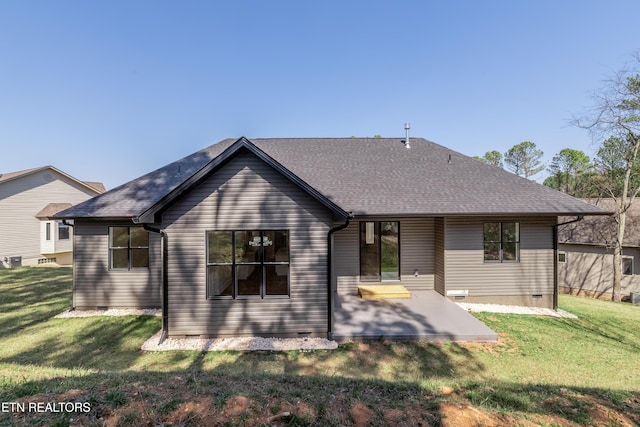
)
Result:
{"points": [[366, 176], [601, 231]]}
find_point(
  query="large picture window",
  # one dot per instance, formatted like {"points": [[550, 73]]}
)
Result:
{"points": [[248, 264], [502, 242], [379, 251], [128, 248]]}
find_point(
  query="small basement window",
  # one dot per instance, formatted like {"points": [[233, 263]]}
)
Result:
{"points": [[562, 257]]}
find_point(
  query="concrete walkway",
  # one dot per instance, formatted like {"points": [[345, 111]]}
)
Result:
{"points": [[427, 315]]}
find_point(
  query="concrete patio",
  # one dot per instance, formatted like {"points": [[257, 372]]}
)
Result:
{"points": [[427, 316]]}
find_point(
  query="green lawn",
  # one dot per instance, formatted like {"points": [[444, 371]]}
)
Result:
{"points": [[544, 370]]}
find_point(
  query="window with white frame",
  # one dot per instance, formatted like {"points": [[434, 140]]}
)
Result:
{"points": [[63, 231]]}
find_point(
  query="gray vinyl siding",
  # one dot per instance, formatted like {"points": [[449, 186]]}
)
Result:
{"points": [[247, 194], [590, 268], [439, 237], [465, 267], [21, 199], [416, 253], [97, 286]]}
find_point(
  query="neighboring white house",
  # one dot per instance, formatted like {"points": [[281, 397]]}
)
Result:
{"points": [[27, 200]]}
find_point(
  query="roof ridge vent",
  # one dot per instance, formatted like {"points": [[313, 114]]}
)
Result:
{"points": [[407, 126]]}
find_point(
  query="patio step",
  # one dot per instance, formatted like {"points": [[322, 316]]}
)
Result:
{"points": [[383, 291]]}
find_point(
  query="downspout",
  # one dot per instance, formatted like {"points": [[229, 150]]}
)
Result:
{"points": [[329, 274], [73, 270], [556, 286], [165, 281]]}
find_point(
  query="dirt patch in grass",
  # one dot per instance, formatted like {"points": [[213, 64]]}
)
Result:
{"points": [[461, 414], [177, 403], [361, 414], [505, 344], [604, 415]]}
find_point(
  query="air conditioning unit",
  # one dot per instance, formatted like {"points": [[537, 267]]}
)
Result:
{"points": [[15, 261], [635, 298]]}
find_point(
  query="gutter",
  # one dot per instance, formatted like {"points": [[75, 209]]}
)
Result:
{"points": [[555, 259], [165, 281], [330, 273]]}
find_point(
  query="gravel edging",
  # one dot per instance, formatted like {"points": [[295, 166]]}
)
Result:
{"points": [[515, 309], [238, 344], [202, 344]]}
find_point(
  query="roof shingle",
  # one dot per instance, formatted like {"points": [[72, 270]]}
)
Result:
{"points": [[601, 231], [366, 176]]}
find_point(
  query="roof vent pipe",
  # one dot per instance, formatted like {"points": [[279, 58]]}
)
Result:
{"points": [[407, 126]]}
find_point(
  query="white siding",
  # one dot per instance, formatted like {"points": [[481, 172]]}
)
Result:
{"points": [[21, 199], [55, 245], [47, 246]]}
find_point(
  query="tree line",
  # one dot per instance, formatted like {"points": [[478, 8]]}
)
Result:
{"points": [[572, 171], [614, 172]]}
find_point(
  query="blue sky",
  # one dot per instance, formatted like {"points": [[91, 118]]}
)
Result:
{"points": [[108, 91]]}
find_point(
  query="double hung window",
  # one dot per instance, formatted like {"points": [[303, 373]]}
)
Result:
{"points": [[248, 264]]}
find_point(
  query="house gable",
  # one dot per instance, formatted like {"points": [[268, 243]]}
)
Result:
{"points": [[247, 194], [23, 196], [240, 146]]}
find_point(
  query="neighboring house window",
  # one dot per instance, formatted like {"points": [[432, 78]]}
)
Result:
{"points": [[47, 231], [248, 264], [627, 265], [501, 241], [63, 231], [379, 251], [562, 257], [128, 247]]}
